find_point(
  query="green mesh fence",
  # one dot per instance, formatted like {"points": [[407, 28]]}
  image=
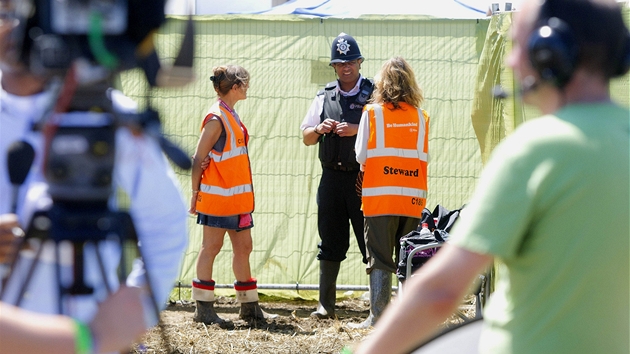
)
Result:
{"points": [[456, 62]]}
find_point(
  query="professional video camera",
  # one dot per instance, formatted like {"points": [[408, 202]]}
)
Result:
{"points": [[115, 34], [79, 46], [87, 42]]}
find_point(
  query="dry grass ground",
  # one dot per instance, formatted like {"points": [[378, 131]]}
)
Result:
{"points": [[293, 331]]}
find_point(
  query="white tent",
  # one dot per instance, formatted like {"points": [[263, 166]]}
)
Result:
{"points": [[456, 9]]}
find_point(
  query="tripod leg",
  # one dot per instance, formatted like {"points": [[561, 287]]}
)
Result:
{"points": [[14, 259], [149, 285], [101, 267], [60, 291], [156, 307], [29, 274]]}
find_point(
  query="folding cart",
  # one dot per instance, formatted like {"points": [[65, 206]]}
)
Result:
{"points": [[417, 247]]}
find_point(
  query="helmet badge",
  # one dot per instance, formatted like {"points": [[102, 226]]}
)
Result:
{"points": [[342, 46]]}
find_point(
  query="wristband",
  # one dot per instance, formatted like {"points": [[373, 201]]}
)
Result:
{"points": [[346, 350], [315, 130], [84, 342]]}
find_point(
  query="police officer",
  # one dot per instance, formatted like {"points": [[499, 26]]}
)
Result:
{"points": [[333, 121]]}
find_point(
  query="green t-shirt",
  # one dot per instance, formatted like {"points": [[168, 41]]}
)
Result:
{"points": [[552, 207]]}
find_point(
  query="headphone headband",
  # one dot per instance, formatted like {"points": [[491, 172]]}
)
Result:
{"points": [[554, 46]]}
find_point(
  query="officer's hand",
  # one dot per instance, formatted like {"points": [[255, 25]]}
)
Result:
{"points": [[327, 126], [346, 129], [9, 231]]}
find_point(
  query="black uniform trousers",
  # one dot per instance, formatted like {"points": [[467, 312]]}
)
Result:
{"points": [[338, 202]]}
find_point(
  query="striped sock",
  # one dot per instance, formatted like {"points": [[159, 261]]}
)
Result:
{"points": [[203, 290], [246, 291]]}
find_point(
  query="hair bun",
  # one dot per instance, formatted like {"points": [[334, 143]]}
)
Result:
{"points": [[217, 78]]}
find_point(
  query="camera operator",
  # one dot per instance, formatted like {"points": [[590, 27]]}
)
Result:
{"points": [[141, 170]]}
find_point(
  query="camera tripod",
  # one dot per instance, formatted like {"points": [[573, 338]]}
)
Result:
{"points": [[79, 225]]}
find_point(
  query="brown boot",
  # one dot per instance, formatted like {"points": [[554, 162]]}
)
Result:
{"points": [[203, 294], [204, 312], [251, 311], [247, 295]]}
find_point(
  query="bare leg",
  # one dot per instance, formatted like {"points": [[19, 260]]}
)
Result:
{"points": [[241, 248], [210, 247]]}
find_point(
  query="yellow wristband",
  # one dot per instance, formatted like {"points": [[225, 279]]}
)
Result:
{"points": [[83, 338]]}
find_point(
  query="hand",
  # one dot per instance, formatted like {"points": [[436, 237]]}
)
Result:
{"points": [[325, 127], [119, 321], [9, 231], [346, 129], [193, 204], [205, 163]]}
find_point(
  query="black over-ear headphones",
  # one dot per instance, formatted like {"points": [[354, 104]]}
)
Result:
{"points": [[624, 56], [553, 49]]}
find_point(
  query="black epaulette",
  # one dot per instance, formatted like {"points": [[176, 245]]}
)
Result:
{"points": [[329, 86]]}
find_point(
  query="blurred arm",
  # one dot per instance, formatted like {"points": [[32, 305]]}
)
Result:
{"points": [[118, 323], [431, 295], [27, 332]]}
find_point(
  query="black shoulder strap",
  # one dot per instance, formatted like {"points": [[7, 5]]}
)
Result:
{"points": [[365, 90]]}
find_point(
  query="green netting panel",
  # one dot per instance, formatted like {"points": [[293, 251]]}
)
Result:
{"points": [[287, 57]]}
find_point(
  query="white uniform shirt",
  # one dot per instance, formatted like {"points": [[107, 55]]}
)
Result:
{"points": [[157, 209], [363, 133]]}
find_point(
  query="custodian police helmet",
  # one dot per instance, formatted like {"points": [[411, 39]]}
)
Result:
{"points": [[344, 48]]}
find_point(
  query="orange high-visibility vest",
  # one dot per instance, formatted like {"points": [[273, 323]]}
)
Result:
{"points": [[395, 180], [226, 185]]}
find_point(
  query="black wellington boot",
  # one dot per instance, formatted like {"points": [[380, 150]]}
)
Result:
{"points": [[328, 271]]}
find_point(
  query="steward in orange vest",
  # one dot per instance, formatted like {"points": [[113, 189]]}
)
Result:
{"points": [[226, 185], [392, 145], [395, 182]]}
